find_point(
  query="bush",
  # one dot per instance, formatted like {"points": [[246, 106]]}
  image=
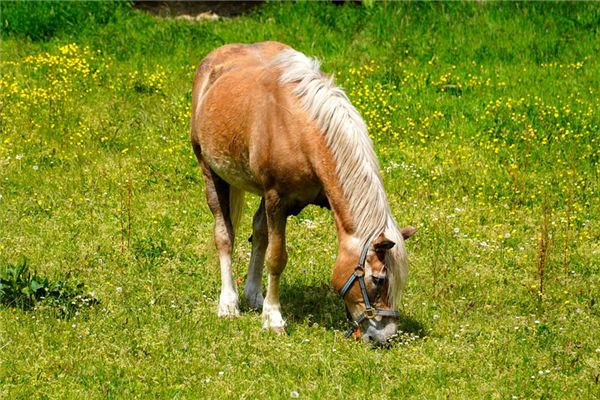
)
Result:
{"points": [[43, 20]]}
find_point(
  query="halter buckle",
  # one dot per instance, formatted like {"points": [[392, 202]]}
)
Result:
{"points": [[370, 313]]}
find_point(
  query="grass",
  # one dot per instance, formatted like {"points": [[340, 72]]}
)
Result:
{"points": [[485, 118]]}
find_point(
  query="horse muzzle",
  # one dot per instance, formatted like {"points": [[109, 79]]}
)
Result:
{"points": [[379, 331]]}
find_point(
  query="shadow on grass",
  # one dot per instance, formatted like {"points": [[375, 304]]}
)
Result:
{"points": [[322, 306]]}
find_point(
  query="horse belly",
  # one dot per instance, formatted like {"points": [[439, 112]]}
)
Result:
{"points": [[234, 171]]}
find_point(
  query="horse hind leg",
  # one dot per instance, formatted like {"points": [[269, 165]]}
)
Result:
{"points": [[225, 203], [253, 288]]}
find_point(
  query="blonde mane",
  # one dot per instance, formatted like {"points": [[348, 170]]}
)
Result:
{"points": [[357, 166]]}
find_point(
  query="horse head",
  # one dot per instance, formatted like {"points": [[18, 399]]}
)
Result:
{"points": [[365, 287]]}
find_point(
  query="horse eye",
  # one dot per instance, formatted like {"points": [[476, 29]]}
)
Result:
{"points": [[378, 279]]}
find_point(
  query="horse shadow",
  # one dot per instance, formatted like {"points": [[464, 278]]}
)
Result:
{"points": [[320, 305]]}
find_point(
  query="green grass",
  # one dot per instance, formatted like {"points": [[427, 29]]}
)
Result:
{"points": [[486, 120]]}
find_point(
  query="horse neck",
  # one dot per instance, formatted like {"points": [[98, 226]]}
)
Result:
{"points": [[358, 201], [347, 210]]}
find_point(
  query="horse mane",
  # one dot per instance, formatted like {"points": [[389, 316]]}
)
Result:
{"points": [[357, 166]]}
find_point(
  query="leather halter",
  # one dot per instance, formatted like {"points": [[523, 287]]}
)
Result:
{"points": [[369, 312]]}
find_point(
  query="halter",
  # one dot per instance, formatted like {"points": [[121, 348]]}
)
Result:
{"points": [[369, 312]]}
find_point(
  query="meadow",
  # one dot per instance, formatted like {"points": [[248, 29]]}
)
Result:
{"points": [[485, 118]]}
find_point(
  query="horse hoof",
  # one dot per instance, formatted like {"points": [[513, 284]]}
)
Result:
{"points": [[279, 330], [255, 301], [276, 325], [228, 311]]}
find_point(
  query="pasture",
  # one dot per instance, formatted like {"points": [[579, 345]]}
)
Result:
{"points": [[485, 118]]}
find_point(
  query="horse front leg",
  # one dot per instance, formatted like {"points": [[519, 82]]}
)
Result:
{"points": [[275, 261]]}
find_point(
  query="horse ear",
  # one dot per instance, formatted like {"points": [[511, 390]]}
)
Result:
{"points": [[384, 245], [408, 231]]}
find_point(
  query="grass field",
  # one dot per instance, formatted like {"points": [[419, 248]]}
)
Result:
{"points": [[485, 117]]}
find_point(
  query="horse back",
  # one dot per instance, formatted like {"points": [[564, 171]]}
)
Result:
{"points": [[230, 57]]}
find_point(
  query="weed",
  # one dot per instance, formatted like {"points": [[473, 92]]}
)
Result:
{"points": [[543, 252], [20, 288]]}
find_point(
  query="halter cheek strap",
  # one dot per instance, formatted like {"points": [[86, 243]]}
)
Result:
{"points": [[370, 312]]}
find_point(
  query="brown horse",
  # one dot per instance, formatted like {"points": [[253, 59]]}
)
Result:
{"points": [[266, 120]]}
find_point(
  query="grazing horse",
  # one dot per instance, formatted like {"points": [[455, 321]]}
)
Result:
{"points": [[266, 120]]}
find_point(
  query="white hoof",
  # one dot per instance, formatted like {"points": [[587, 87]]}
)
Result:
{"points": [[228, 306], [272, 319], [228, 310]]}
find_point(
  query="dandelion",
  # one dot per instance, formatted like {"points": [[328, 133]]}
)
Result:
{"points": [[119, 289], [35, 167], [294, 395]]}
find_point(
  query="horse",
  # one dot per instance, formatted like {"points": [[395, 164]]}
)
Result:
{"points": [[266, 120]]}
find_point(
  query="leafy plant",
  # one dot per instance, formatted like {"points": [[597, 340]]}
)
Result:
{"points": [[21, 288]]}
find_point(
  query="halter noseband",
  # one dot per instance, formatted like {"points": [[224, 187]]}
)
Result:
{"points": [[369, 312]]}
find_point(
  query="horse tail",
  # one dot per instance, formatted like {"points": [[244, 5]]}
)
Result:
{"points": [[236, 202]]}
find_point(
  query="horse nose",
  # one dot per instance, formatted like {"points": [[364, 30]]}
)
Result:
{"points": [[374, 339], [378, 332]]}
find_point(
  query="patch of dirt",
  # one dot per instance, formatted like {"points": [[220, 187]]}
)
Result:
{"points": [[197, 10]]}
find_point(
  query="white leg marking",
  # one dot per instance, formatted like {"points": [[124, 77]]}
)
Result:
{"points": [[228, 302], [271, 315]]}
